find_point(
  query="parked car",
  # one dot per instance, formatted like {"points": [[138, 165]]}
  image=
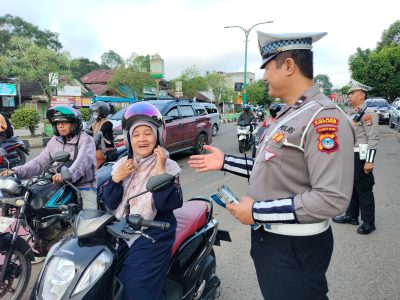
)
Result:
{"points": [[394, 114], [381, 107], [187, 123], [215, 117]]}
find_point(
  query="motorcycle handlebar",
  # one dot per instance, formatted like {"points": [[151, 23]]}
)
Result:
{"points": [[137, 220]]}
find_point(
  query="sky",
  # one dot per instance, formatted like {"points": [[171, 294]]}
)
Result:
{"points": [[188, 33]]}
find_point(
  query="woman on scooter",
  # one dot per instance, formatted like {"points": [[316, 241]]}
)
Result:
{"points": [[99, 112], [145, 265], [69, 137]]}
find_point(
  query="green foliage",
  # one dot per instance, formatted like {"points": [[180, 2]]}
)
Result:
{"points": [[111, 60], [216, 83], [257, 92], [192, 82], [131, 80], [229, 95], [25, 117], [29, 62], [85, 113], [391, 36], [379, 69], [140, 63], [324, 82], [344, 89], [82, 66], [11, 26]]}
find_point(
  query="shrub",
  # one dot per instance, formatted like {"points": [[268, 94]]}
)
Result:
{"points": [[26, 117], [85, 113]]}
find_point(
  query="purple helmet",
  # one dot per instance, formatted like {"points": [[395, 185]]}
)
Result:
{"points": [[144, 111]]}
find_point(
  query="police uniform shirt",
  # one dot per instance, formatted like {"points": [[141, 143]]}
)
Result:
{"points": [[367, 131], [303, 170]]}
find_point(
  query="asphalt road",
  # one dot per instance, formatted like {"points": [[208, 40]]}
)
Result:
{"points": [[362, 267]]}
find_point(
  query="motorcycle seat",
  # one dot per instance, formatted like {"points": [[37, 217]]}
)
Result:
{"points": [[190, 218]]}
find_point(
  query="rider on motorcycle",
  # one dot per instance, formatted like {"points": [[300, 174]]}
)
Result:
{"points": [[69, 137], [99, 112], [273, 112], [145, 265], [247, 116]]}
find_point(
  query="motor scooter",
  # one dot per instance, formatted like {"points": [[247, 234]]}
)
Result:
{"points": [[244, 134], [16, 152], [86, 266]]}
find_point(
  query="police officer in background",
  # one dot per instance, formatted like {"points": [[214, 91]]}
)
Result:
{"points": [[365, 122], [301, 177]]}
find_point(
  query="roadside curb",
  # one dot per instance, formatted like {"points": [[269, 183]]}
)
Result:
{"points": [[228, 120], [36, 142]]}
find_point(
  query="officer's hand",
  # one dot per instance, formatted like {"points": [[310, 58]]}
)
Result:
{"points": [[161, 155], [207, 162], [368, 167], [243, 211], [123, 171], [57, 178]]}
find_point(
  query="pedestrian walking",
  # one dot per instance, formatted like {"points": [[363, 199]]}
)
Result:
{"points": [[301, 177], [365, 122]]}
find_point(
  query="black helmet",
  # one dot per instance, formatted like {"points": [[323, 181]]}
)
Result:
{"points": [[112, 108], [246, 107], [99, 109], [274, 109], [66, 114]]}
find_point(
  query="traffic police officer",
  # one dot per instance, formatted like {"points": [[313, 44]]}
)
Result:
{"points": [[365, 122], [301, 177]]}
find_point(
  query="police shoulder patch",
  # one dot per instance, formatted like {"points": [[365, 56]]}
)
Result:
{"points": [[327, 139], [367, 118], [325, 121]]}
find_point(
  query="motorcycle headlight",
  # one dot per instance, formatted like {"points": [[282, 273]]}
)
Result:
{"points": [[57, 277], [93, 272]]}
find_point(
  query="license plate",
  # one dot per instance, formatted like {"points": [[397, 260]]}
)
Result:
{"points": [[5, 223]]}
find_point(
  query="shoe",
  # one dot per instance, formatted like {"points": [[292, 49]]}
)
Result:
{"points": [[366, 228], [38, 259], [345, 219]]}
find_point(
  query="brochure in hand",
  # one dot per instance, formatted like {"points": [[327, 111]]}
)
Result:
{"points": [[225, 196]]}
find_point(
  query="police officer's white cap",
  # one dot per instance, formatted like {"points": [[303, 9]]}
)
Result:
{"points": [[356, 86], [271, 44]]}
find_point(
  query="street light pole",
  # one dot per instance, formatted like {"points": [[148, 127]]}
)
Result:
{"points": [[246, 33]]}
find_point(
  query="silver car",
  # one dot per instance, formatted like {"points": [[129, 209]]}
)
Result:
{"points": [[394, 114], [215, 116]]}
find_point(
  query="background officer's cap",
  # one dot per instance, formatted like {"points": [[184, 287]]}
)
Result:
{"points": [[271, 44], [356, 86]]}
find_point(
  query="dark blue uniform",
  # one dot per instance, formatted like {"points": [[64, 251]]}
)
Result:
{"points": [[145, 265]]}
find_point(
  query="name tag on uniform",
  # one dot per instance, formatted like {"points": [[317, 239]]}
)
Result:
{"points": [[363, 151]]}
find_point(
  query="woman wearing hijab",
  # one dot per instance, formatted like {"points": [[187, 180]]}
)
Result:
{"points": [[145, 265]]}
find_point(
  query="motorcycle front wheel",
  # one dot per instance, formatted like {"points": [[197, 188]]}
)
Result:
{"points": [[22, 157], [242, 146], [17, 276]]}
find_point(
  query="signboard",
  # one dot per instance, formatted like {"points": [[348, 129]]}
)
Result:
{"points": [[8, 89], [178, 86], [78, 101], [53, 79], [178, 94], [69, 90], [157, 66], [8, 101]]}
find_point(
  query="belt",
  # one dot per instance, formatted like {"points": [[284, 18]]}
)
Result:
{"points": [[297, 229], [356, 149]]}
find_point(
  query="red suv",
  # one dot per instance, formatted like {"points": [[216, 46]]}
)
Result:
{"points": [[187, 122]]}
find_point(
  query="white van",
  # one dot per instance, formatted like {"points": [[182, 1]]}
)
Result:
{"points": [[215, 117]]}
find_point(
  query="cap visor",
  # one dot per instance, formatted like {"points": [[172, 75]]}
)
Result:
{"points": [[266, 60]]}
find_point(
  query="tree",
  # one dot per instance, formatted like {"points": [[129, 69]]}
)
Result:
{"points": [[216, 83], [11, 26], [257, 92], [139, 62], [131, 81], [379, 69], [229, 95], [391, 36], [29, 62], [111, 60], [324, 82], [82, 66], [192, 82]]}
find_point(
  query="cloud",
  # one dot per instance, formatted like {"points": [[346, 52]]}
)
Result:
{"points": [[189, 32]]}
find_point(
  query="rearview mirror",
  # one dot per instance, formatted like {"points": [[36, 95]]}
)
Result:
{"points": [[61, 156], [159, 182], [65, 173], [3, 152]]}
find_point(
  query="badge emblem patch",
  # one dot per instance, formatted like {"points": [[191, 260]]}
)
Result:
{"points": [[327, 142], [268, 155]]}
